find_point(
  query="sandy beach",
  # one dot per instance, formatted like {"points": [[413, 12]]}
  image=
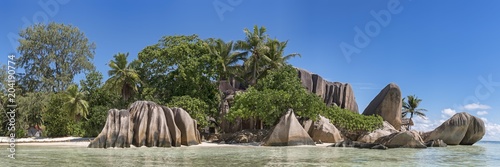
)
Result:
{"points": [[63, 141], [84, 142]]}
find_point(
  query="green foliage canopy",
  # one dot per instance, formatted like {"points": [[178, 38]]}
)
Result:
{"points": [[274, 95], [52, 55], [179, 66]]}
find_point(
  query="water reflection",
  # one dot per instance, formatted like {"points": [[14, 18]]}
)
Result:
{"points": [[482, 154]]}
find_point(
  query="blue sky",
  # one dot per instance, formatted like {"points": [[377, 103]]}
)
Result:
{"points": [[445, 52]]}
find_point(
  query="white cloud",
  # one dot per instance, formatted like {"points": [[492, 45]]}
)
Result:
{"points": [[482, 113], [492, 131], [476, 106], [424, 125], [448, 112]]}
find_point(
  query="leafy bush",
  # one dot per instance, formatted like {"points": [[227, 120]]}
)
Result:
{"points": [[76, 128], [352, 122], [56, 120], [273, 95], [20, 132], [196, 108], [96, 120]]}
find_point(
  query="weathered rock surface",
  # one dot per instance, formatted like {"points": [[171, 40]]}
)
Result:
{"points": [[175, 133], [356, 144], [147, 124], [288, 132], [371, 137], [189, 134], [332, 93], [348, 143], [408, 139], [461, 128], [115, 131], [325, 131], [387, 104], [436, 143]]}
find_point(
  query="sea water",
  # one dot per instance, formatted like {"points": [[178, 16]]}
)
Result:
{"points": [[480, 154]]}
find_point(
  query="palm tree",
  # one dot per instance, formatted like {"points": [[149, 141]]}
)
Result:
{"points": [[275, 54], [228, 58], [255, 45], [75, 102], [410, 106], [123, 77]]}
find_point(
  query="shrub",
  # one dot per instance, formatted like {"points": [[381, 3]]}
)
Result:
{"points": [[273, 95], [96, 120], [352, 122], [56, 120]]}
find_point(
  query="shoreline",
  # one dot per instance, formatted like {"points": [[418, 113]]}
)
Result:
{"points": [[84, 142]]}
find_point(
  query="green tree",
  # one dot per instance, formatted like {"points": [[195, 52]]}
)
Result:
{"points": [[179, 66], [276, 54], [228, 59], [75, 103], [30, 109], [3, 78], [96, 121], [100, 100], [273, 95], [3, 116], [255, 45], [123, 77], [58, 121], [410, 106], [52, 55]]}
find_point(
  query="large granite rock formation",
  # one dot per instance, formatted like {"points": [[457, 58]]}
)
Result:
{"points": [[371, 137], [408, 139], [175, 133], [324, 131], [187, 126], [147, 124], [387, 104], [115, 131], [332, 93], [461, 128], [288, 132]]}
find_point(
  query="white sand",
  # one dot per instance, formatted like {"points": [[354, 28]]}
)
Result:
{"points": [[84, 142], [69, 144], [63, 141]]}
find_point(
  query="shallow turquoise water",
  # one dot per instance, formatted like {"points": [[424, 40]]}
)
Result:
{"points": [[480, 154]]}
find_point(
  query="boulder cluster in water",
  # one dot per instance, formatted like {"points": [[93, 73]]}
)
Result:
{"points": [[148, 124], [462, 128]]}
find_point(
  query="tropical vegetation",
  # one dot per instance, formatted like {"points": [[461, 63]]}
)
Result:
{"points": [[178, 71], [410, 107]]}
